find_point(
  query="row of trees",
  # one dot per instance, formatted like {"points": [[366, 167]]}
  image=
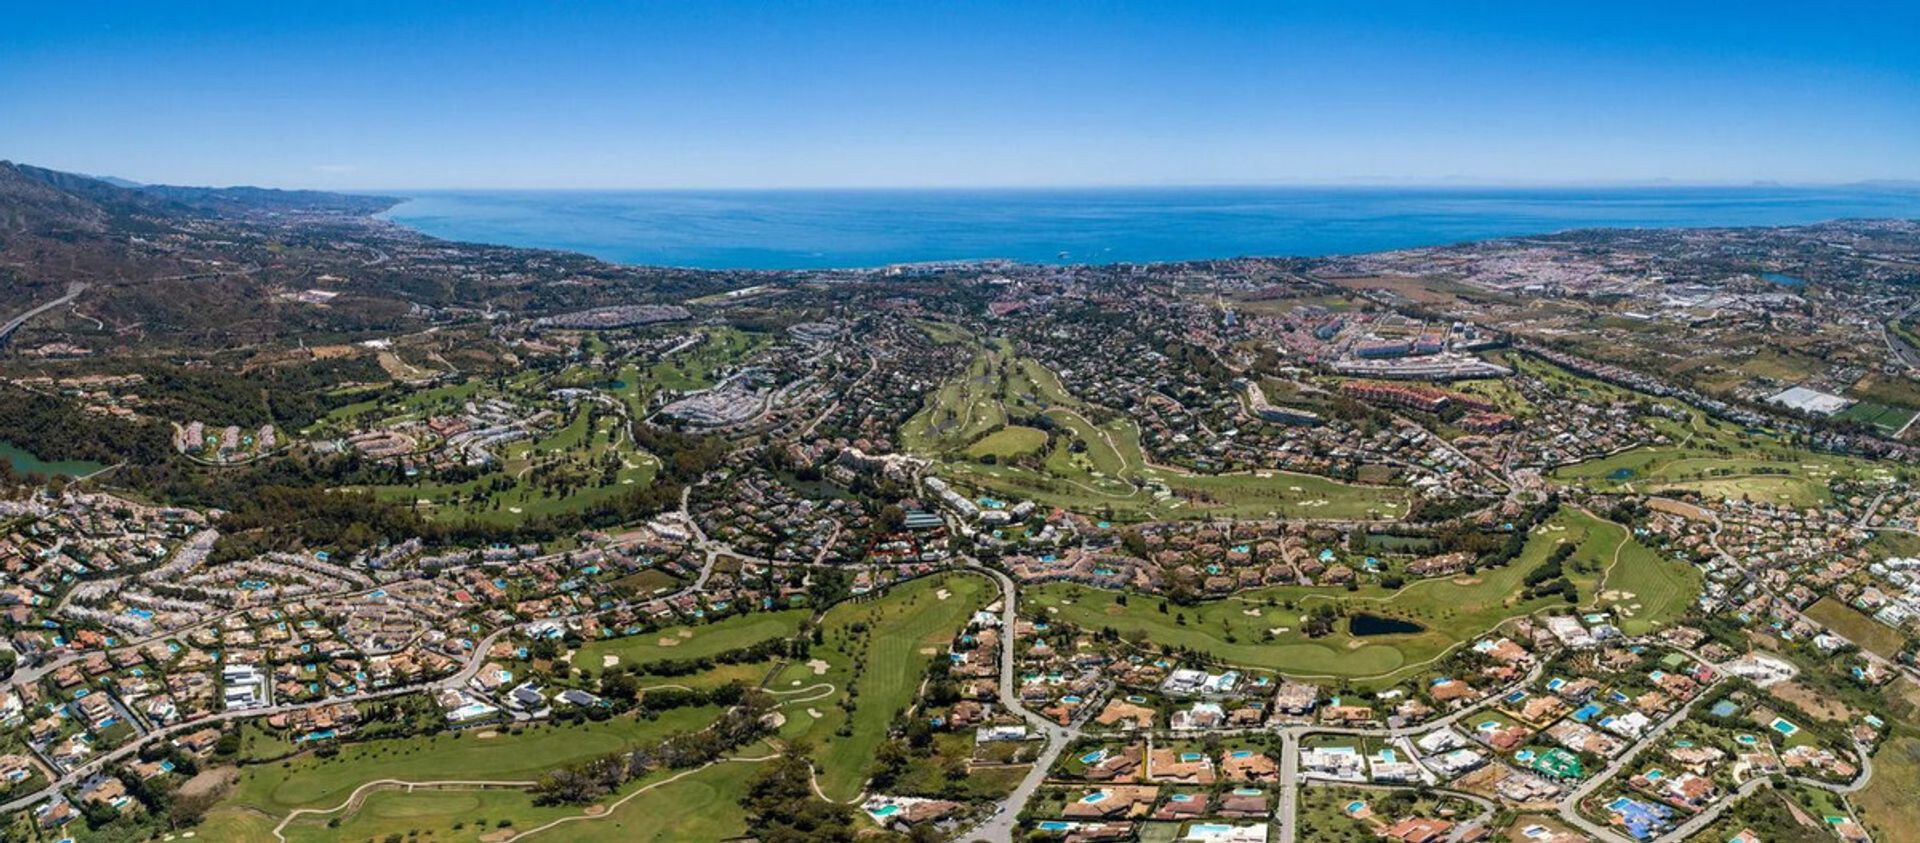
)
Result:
{"points": [[586, 782]]}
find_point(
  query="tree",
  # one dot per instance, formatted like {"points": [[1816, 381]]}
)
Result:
{"points": [[781, 807]]}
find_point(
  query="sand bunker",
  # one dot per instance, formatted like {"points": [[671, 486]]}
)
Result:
{"points": [[942, 594], [668, 641], [818, 667], [609, 660]]}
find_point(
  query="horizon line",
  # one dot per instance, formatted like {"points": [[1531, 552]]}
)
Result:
{"points": [[1361, 183], [1896, 183]]}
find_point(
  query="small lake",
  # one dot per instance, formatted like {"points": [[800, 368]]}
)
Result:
{"points": [[26, 463], [1363, 624], [1784, 280]]}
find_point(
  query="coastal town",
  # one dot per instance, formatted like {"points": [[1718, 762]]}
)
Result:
{"points": [[1599, 537]]}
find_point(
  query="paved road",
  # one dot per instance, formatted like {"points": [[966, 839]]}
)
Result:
{"points": [[1569, 805], [999, 827], [1286, 814], [74, 288], [1697, 822], [1906, 672], [475, 661]]}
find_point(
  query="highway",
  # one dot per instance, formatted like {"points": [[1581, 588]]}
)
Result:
{"points": [[74, 289]]}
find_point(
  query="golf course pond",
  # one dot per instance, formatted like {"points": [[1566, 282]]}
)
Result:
{"points": [[1361, 624]]}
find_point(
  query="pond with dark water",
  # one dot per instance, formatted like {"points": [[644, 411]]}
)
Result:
{"points": [[1362, 624]]}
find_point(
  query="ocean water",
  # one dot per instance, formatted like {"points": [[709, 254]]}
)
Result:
{"points": [[811, 229]]}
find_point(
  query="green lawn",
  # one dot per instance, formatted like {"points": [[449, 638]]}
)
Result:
{"points": [[908, 627], [313, 782], [699, 807], [572, 451], [699, 367], [1870, 634], [1453, 609], [1097, 467], [960, 410], [1644, 589], [477, 813], [1889, 420], [1009, 442], [1720, 459], [693, 641], [677, 806]]}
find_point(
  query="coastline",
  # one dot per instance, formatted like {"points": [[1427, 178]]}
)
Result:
{"points": [[847, 229]]}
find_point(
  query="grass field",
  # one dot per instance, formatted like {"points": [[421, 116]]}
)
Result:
{"points": [[573, 451], [667, 807], [1009, 441], [572, 467], [1870, 634], [699, 367], [1887, 806], [477, 813], [962, 409], [1453, 610], [1097, 466], [1717, 459], [1644, 589], [1713, 457], [694, 641], [313, 782], [1896, 390], [1889, 420], [905, 629], [699, 807]]}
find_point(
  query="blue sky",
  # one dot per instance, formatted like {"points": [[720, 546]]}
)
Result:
{"points": [[773, 94]]}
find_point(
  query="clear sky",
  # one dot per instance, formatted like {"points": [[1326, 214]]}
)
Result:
{"points": [[960, 93]]}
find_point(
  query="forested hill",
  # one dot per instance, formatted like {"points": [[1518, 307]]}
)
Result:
{"points": [[25, 188]]}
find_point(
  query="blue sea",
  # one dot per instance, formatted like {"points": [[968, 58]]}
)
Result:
{"points": [[812, 229]]}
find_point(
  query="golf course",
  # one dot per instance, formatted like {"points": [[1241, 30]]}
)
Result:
{"points": [[985, 428], [1256, 629]]}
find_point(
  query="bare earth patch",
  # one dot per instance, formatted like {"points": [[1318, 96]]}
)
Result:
{"points": [[210, 781], [1821, 707]]}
